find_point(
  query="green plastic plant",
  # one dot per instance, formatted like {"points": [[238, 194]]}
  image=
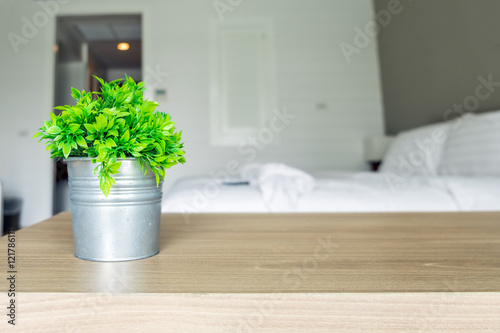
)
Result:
{"points": [[116, 122]]}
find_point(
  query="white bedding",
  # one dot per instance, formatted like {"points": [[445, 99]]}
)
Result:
{"points": [[345, 192], [475, 193], [203, 194], [451, 166]]}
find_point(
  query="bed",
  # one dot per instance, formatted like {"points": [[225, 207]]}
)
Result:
{"points": [[444, 167]]}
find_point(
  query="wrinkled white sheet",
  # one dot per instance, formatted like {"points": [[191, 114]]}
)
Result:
{"points": [[281, 185], [475, 193]]}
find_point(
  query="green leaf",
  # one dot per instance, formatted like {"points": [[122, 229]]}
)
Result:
{"points": [[76, 94], [103, 154], [126, 136], [114, 167], [105, 185], [157, 176], [110, 123], [66, 149], [136, 154], [81, 142], [101, 81], [122, 114], [73, 128], [102, 122], [54, 130], [159, 148], [110, 143], [53, 117], [140, 146], [113, 132], [90, 128], [160, 158]]}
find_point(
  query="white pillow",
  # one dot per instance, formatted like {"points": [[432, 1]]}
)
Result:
{"points": [[417, 151], [473, 146]]}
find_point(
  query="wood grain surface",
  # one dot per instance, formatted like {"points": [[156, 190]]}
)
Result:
{"points": [[245, 313], [425, 272], [311, 253]]}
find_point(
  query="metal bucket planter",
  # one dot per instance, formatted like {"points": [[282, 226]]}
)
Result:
{"points": [[123, 226]]}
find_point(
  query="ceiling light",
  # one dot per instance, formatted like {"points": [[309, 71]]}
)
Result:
{"points": [[123, 46]]}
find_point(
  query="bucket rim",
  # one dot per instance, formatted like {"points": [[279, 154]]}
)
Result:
{"points": [[83, 158]]}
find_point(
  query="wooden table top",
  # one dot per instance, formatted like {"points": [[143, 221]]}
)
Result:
{"points": [[277, 253]]}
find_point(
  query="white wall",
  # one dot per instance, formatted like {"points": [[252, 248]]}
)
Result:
{"points": [[26, 98], [311, 69], [310, 66]]}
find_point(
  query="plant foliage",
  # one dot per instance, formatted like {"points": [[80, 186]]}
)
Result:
{"points": [[114, 123]]}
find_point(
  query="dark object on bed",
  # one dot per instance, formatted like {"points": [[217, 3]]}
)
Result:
{"points": [[237, 183]]}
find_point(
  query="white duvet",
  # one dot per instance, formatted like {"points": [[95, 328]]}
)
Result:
{"points": [[343, 192]]}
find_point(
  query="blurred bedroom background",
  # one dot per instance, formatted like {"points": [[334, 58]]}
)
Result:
{"points": [[285, 105]]}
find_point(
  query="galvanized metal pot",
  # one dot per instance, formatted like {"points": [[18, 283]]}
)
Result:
{"points": [[123, 226]]}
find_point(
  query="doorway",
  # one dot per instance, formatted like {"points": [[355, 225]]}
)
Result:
{"points": [[108, 46]]}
